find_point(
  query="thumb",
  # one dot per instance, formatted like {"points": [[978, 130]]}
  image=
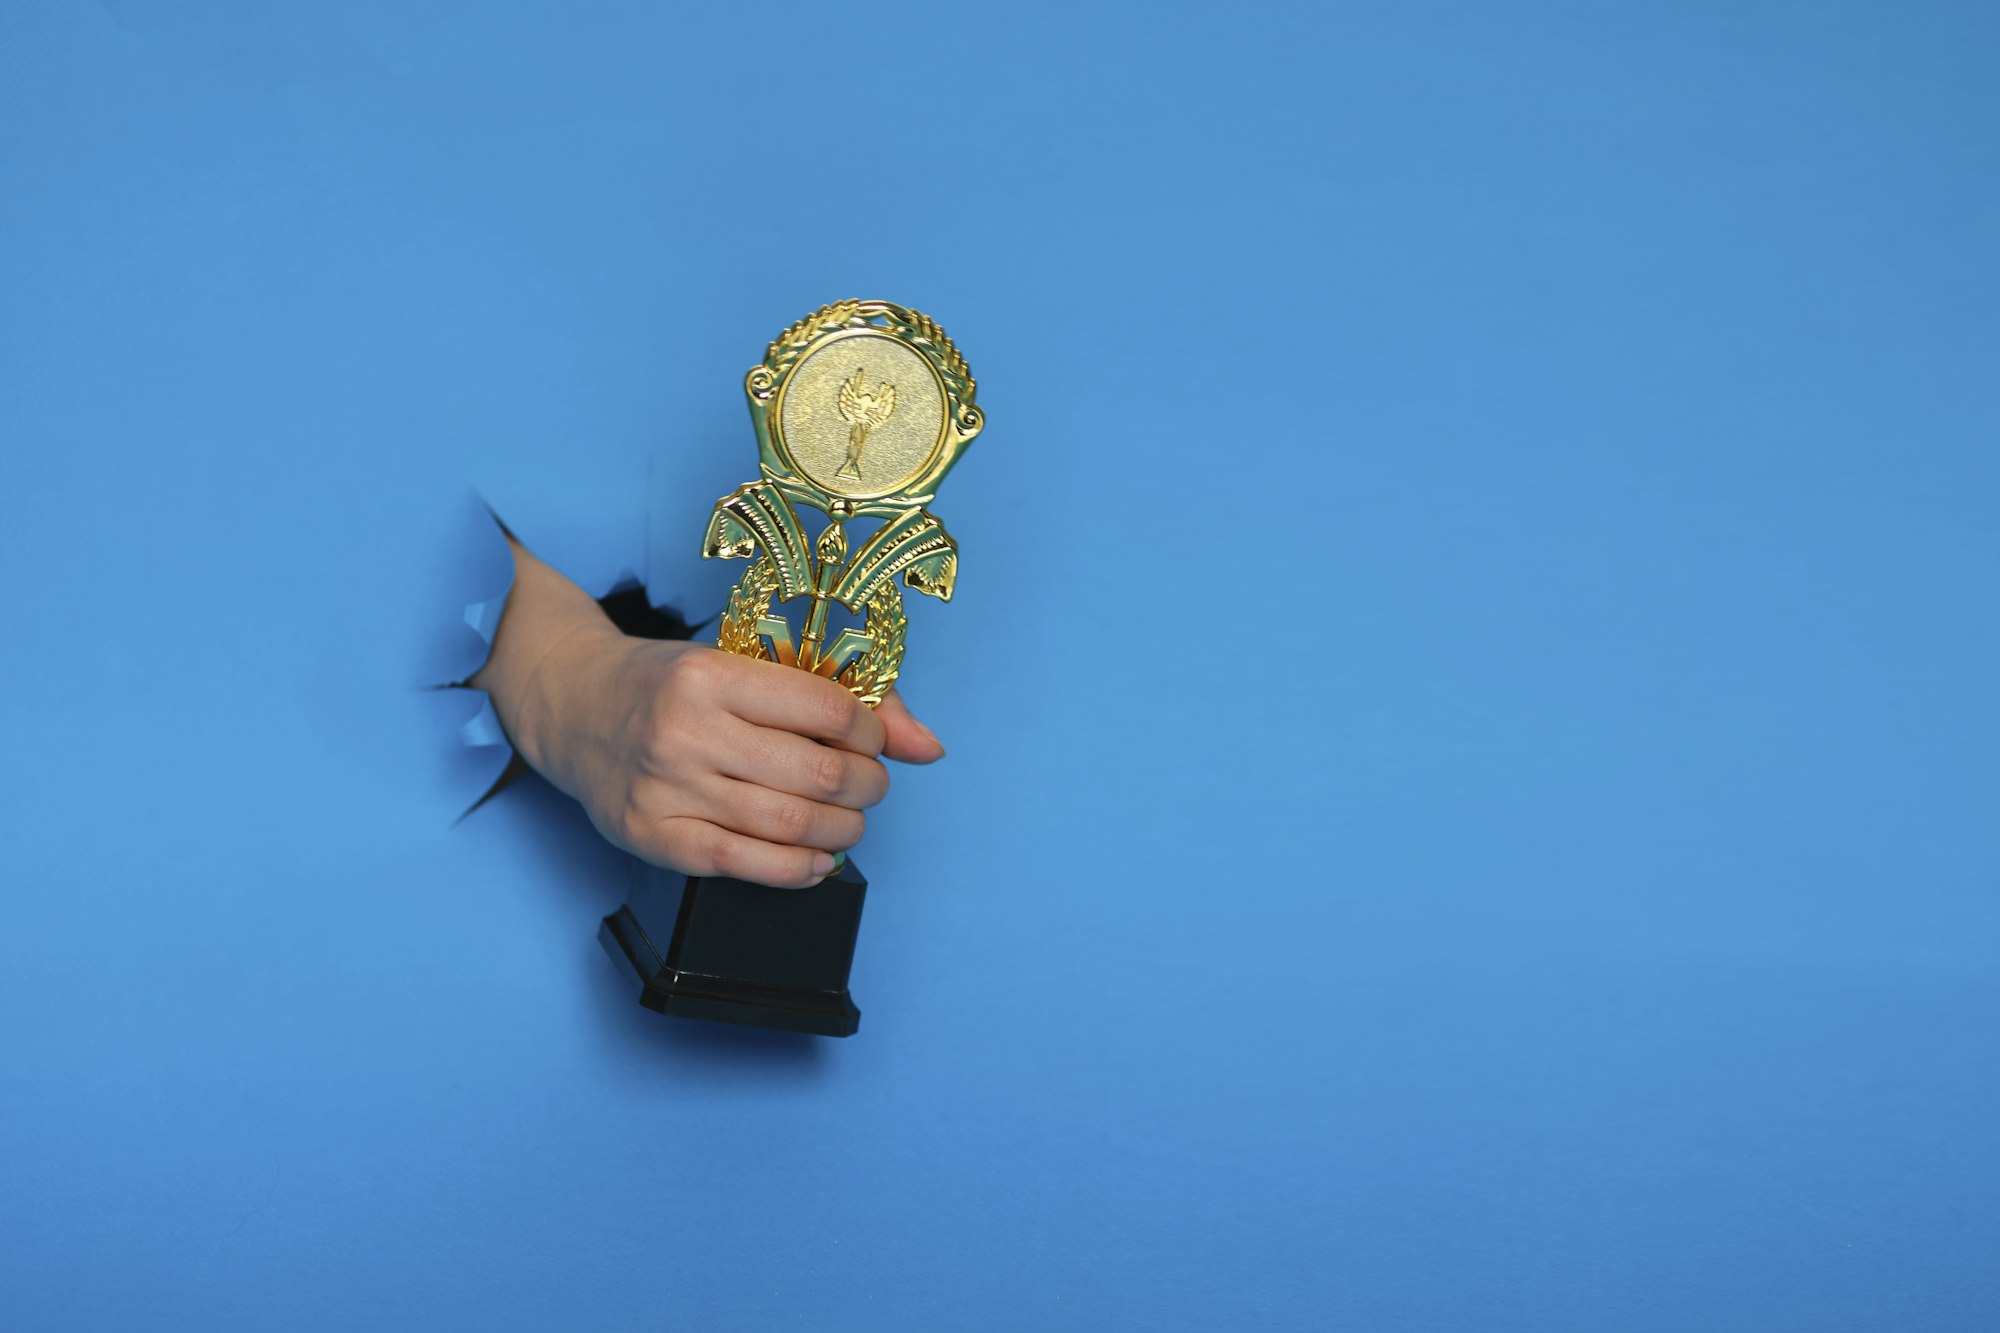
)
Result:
{"points": [[908, 739]]}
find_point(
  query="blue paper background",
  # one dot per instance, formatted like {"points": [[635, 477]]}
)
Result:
{"points": [[1472, 699]]}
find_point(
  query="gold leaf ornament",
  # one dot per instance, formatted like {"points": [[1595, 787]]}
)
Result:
{"points": [[876, 670], [748, 601]]}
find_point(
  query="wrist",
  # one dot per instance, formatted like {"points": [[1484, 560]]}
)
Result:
{"points": [[553, 696]]}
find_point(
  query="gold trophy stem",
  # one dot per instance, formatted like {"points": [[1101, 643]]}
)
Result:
{"points": [[830, 556], [814, 633]]}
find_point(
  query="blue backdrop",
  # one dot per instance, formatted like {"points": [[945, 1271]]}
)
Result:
{"points": [[1472, 695]]}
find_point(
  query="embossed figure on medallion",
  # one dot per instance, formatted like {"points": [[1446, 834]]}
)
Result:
{"points": [[863, 410]]}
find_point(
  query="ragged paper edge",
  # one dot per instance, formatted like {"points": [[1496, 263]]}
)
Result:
{"points": [[483, 729]]}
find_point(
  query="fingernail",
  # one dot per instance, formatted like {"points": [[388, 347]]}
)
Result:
{"points": [[822, 863], [929, 735]]}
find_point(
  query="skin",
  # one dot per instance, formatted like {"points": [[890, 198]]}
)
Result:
{"points": [[686, 756]]}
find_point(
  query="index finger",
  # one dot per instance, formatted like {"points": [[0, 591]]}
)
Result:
{"points": [[771, 695]]}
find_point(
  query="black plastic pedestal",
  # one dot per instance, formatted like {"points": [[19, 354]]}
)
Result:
{"points": [[731, 952]]}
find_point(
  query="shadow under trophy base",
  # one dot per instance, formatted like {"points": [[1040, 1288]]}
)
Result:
{"points": [[860, 410]]}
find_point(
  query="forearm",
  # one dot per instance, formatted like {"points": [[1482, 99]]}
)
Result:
{"points": [[549, 624]]}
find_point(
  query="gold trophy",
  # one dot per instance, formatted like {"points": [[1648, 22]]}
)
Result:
{"points": [[861, 408]]}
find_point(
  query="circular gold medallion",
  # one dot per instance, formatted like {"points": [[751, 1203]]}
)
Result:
{"points": [[862, 415]]}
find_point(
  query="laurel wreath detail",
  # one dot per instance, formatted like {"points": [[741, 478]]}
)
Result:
{"points": [[748, 601], [876, 670], [927, 329]]}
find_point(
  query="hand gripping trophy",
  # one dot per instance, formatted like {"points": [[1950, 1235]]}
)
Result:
{"points": [[861, 408]]}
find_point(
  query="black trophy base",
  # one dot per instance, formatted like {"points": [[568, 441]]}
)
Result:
{"points": [[731, 952]]}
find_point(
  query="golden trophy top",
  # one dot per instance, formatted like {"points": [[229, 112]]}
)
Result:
{"points": [[861, 408]]}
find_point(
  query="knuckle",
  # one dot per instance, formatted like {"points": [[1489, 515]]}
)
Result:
{"points": [[793, 820], [673, 672], [833, 709], [722, 857], [629, 813], [631, 828], [617, 827], [827, 773], [697, 670]]}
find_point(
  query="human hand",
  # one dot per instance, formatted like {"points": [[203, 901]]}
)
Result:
{"points": [[709, 763]]}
